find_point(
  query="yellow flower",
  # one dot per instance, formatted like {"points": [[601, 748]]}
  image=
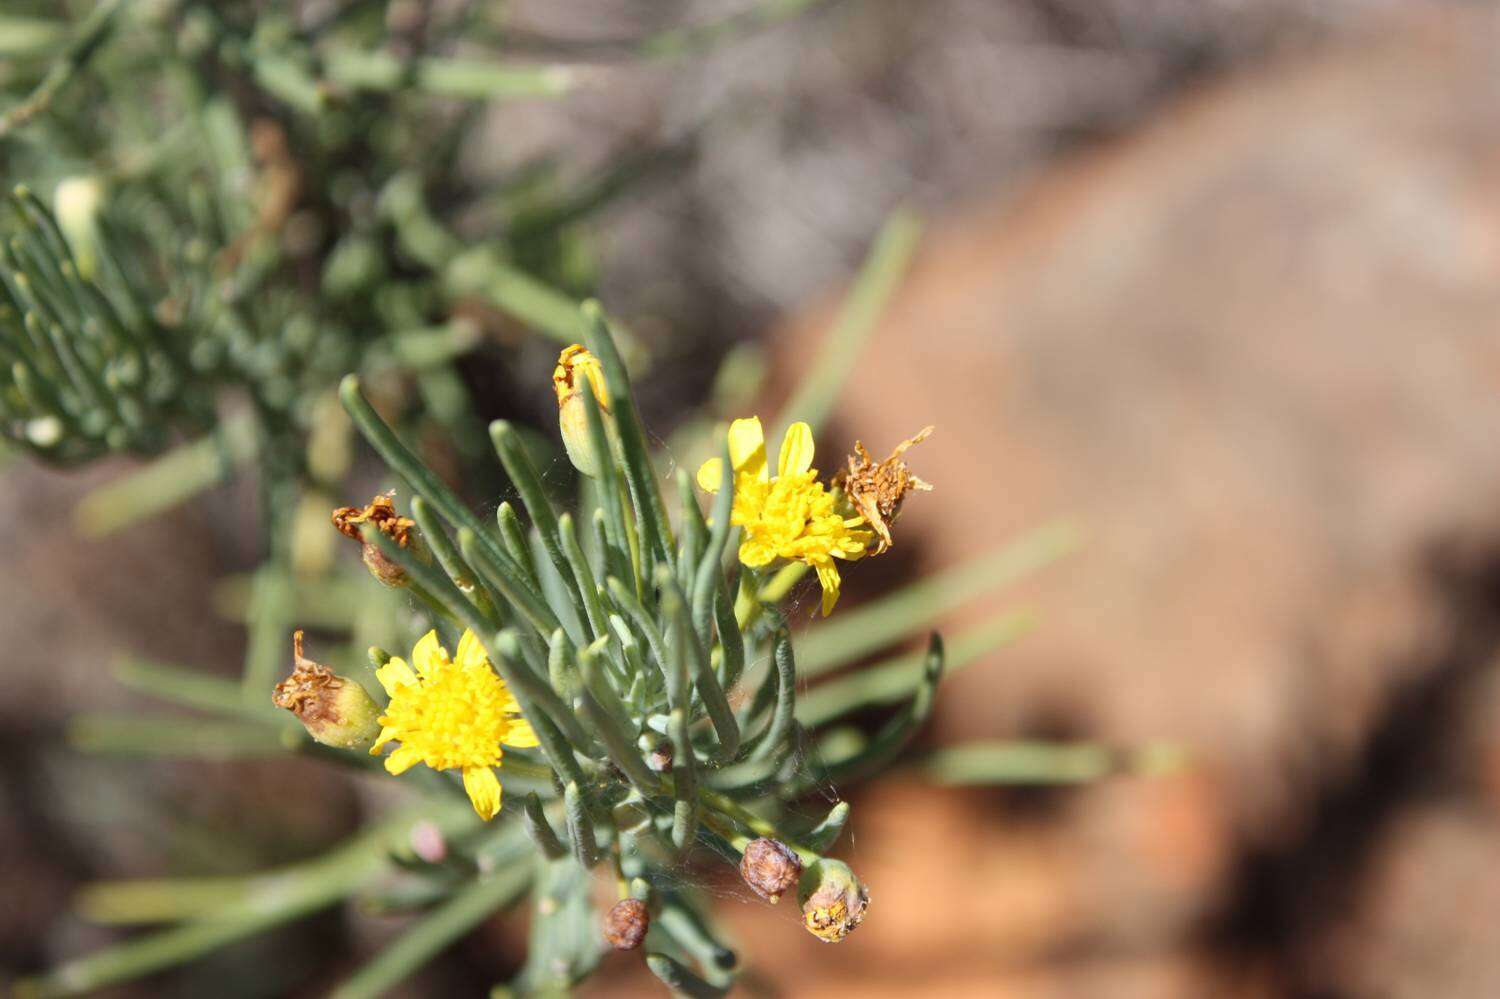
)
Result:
{"points": [[451, 713], [789, 517]]}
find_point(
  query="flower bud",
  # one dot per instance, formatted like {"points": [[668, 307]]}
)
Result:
{"points": [[626, 923], [659, 752], [833, 900], [76, 202], [660, 758], [428, 842], [770, 867], [575, 364], [335, 711], [381, 512]]}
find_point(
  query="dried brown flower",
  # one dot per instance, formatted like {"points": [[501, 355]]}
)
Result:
{"points": [[877, 489], [833, 900], [335, 711], [626, 923], [770, 867], [381, 512]]}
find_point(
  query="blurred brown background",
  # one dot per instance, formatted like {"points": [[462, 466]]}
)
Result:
{"points": [[1220, 280]]}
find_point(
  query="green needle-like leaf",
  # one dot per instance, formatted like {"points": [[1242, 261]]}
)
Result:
{"points": [[685, 782], [540, 829], [465, 910], [650, 510], [682, 981], [845, 638], [896, 678]]}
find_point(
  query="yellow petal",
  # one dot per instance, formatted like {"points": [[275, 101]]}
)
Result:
{"points": [[483, 788], [429, 654], [796, 450], [386, 735], [756, 553], [710, 475], [747, 448], [520, 734], [394, 675], [402, 760], [471, 654], [828, 576]]}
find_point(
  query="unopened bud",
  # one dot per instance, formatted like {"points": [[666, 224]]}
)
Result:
{"points": [[659, 752], [770, 867], [575, 364], [833, 900], [381, 513], [428, 842], [626, 923], [77, 201], [335, 711]]}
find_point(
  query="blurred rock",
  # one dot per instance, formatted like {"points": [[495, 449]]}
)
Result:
{"points": [[1253, 350]]}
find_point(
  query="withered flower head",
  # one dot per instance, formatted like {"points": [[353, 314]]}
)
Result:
{"points": [[335, 711], [626, 923], [381, 513], [575, 364], [770, 867], [877, 489], [833, 900]]}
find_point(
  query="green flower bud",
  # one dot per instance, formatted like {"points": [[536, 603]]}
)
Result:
{"points": [[335, 711], [833, 900]]}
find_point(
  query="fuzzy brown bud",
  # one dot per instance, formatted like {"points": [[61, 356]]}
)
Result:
{"points": [[335, 711], [833, 900], [770, 867], [626, 923], [660, 759], [381, 514]]}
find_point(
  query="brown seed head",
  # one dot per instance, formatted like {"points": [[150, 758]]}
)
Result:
{"points": [[381, 512], [877, 489], [335, 711], [770, 867], [626, 923], [306, 691]]}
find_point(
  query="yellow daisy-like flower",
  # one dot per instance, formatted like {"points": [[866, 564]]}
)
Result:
{"points": [[792, 516], [451, 713]]}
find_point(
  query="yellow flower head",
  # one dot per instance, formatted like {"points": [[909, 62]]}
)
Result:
{"points": [[792, 516], [451, 713]]}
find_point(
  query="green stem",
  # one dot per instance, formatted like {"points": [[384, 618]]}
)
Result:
{"points": [[269, 899], [91, 35], [445, 924], [865, 629]]}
